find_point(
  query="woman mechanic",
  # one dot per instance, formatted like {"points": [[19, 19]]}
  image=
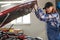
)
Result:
{"points": [[51, 17]]}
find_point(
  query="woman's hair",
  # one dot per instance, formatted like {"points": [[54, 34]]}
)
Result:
{"points": [[54, 10]]}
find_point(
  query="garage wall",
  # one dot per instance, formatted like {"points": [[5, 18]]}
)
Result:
{"points": [[36, 28]]}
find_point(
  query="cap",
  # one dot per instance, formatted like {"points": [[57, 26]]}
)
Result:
{"points": [[47, 5]]}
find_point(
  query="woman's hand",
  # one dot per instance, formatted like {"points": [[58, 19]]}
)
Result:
{"points": [[35, 7]]}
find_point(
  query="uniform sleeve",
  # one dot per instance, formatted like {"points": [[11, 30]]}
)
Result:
{"points": [[40, 15]]}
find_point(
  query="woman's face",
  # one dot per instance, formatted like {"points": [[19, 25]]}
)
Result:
{"points": [[49, 10]]}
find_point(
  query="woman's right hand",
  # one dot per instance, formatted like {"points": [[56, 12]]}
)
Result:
{"points": [[35, 7]]}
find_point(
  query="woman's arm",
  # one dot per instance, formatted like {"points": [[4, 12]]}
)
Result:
{"points": [[40, 15]]}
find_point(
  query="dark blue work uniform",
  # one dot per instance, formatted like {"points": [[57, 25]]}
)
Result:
{"points": [[52, 21]]}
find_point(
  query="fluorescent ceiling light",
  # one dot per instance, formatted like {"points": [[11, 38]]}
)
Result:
{"points": [[22, 1], [5, 5]]}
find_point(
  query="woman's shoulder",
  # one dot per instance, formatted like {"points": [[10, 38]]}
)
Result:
{"points": [[56, 13]]}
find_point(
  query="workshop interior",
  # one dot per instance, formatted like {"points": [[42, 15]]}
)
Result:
{"points": [[18, 20]]}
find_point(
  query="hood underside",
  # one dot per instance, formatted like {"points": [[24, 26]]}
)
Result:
{"points": [[14, 10]]}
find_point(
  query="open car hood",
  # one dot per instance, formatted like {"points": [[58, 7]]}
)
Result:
{"points": [[14, 10]]}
